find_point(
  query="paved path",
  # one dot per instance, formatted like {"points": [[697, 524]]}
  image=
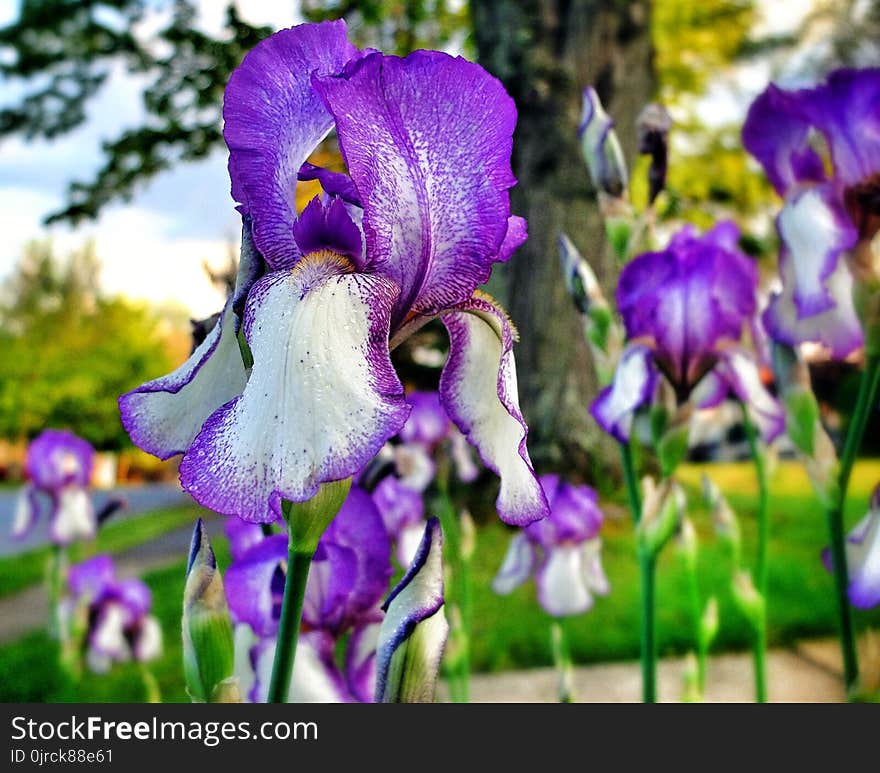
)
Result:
{"points": [[29, 609], [139, 499], [806, 674]]}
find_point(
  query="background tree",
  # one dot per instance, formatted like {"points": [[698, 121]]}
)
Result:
{"points": [[68, 351]]}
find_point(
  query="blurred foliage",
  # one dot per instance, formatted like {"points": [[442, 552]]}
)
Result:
{"points": [[68, 351]]}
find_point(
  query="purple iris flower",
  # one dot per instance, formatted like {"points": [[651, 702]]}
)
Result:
{"points": [[119, 626], [562, 551], [347, 580], [684, 310], [59, 465], [863, 557], [825, 216], [408, 235]]}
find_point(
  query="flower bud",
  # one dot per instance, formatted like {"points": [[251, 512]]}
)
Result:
{"points": [[747, 599], [653, 126], [723, 517], [208, 651], [413, 634], [709, 624], [601, 148], [663, 507]]}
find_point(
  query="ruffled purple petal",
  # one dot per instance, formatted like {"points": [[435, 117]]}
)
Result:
{"points": [[776, 132], [478, 389], [574, 514], [333, 577], [134, 595], [274, 119], [321, 400], [695, 293], [846, 109], [252, 587], [163, 416], [427, 140], [58, 458], [517, 233], [91, 579], [635, 381]]}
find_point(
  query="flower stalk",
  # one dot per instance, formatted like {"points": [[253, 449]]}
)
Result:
{"points": [[759, 646], [562, 661], [866, 399]]}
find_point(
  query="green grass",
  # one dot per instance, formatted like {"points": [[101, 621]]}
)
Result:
{"points": [[25, 569], [513, 631]]}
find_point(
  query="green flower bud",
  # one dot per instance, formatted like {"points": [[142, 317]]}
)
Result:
{"points": [[208, 651], [663, 507], [307, 521]]}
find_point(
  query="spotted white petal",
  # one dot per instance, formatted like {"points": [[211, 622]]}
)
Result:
{"points": [[321, 400]]}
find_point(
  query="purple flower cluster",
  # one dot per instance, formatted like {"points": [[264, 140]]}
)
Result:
{"points": [[830, 213], [348, 578], [114, 615], [685, 309], [59, 466]]}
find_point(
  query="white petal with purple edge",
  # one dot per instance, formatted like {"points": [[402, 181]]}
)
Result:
{"points": [[863, 562], [815, 232], [408, 542], [164, 415], [108, 638], [74, 516], [478, 389], [593, 572], [321, 400], [741, 371], [560, 579], [148, 644], [26, 513], [631, 388], [517, 566]]}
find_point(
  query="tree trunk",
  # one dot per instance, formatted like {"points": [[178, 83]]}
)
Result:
{"points": [[545, 53]]}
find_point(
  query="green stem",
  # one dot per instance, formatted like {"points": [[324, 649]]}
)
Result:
{"points": [[562, 660], [647, 566], [55, 567], [697, 614], [152, 693], [298, 563], [458, 594], [760, 627], [855, 433]]}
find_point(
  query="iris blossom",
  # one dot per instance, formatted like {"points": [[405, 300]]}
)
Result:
{"points": [[407, 235], [684, 310], [562, 551], [830, 215], [59, 465], [118, 623], [348, 578], [863, 557]]}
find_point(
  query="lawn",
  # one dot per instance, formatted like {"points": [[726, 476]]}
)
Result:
{"points": [[512, 631]]}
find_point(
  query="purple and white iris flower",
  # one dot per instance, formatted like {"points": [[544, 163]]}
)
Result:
{"points": [[562, 551], [118, 623], [59, 465], [829, 216], [684, 310], [407, 235], [348, 578], [863, 557]]}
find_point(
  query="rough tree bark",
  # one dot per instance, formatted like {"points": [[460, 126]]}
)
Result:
{"points": [[545, 53]]}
